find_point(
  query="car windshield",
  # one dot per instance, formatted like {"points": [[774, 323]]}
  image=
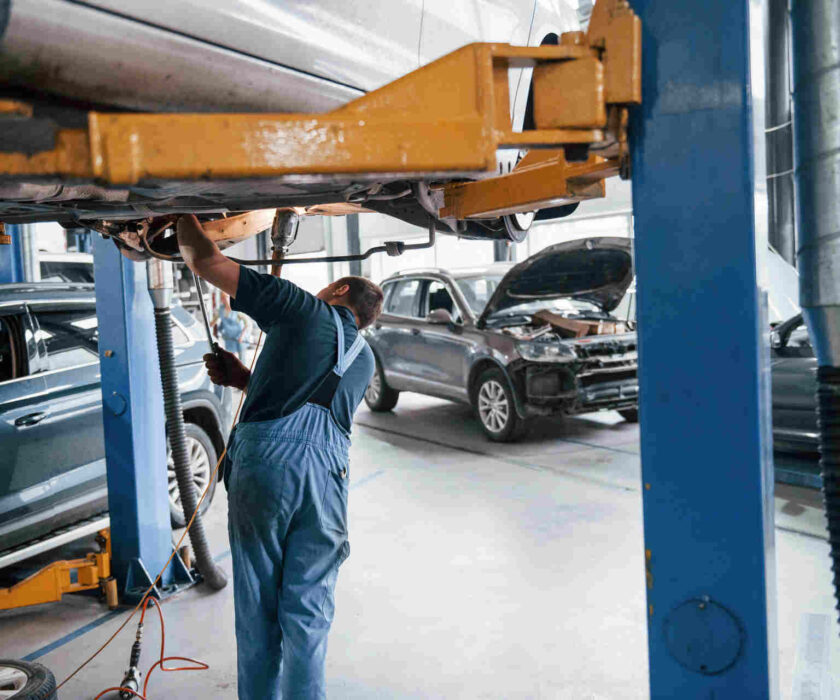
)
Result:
{"points": [[477, 290]]}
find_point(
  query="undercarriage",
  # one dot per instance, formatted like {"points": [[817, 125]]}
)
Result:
{"points": [[436, 144]]}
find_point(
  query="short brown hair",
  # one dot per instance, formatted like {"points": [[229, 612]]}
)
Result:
{"points": [[364, 297]]}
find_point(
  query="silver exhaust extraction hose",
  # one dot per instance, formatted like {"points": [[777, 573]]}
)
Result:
{"points": [[160, 282], [816, 97]]}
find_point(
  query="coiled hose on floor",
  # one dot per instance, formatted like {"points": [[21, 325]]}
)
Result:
{"points": [[212, 574], [828, 418]]}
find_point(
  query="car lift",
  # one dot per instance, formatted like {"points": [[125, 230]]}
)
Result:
{"points": [[709, 547], [66, 576]]}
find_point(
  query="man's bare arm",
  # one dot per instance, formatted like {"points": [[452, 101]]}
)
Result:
{"points": [[204, 258]]}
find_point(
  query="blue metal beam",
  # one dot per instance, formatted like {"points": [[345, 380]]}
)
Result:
{"points": [[706, 468], [11, 257], [135, 446]]}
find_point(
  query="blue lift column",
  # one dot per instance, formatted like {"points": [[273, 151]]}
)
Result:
{"points": [[11, 256], [706, 467], [135, 446]]}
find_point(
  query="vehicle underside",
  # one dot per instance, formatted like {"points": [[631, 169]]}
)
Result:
{"points": [[139, 216], [436, 147]]}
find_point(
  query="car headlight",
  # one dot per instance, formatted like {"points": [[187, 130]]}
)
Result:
{"points": [[536, 351]]}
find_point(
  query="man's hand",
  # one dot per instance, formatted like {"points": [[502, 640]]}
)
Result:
{"points": [[225, 369]]}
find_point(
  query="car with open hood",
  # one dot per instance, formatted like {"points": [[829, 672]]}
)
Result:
{"points": [[514, 341]]}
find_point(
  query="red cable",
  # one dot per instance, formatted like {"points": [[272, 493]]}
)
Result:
{"points": [[197, 665]]}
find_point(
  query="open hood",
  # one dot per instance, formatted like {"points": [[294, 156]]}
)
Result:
{"points": [[598, 270]]}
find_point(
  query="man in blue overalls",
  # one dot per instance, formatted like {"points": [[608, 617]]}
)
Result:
{"points": [[288, 469]]}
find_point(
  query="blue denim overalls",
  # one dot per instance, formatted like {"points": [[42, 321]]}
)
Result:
{"points": [[287, 497]]}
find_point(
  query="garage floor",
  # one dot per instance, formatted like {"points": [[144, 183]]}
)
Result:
{"points": [[477, 571]]}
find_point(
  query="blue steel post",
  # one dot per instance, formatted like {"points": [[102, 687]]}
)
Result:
{"points": [[135, 447], [707, 483], [11, 256]]}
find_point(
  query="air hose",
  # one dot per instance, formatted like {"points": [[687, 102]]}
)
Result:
{"points": [[160, 288], [816, 80], [828, 419]]}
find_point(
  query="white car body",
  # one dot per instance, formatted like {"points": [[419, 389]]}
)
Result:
{"points": [[250, 55]]}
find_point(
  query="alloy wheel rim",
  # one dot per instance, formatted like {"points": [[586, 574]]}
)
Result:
{"points": [[12, 681], [199, 464], [493, 406], [374, 388]]}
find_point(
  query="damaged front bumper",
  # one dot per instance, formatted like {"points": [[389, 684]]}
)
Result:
{"points": [[603, 375]]}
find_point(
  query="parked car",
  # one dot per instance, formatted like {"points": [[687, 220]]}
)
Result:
{"points": [[514, 341], [66, 267], [52, 465], [794, 379]]}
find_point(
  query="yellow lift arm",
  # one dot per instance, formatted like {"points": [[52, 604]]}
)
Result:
{"points": [[443, 122], [66, 576]]}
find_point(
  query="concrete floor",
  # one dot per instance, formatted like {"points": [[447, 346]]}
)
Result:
{"points": [[477, 571]]}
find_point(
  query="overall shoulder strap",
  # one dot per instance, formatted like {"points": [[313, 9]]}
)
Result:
{"points": [[350, 355]]}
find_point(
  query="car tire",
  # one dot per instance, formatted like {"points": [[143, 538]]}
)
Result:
{"points": [[631, 415], [203, 458], [22, 680], [379, 397], [495, 407], [518, 225]]}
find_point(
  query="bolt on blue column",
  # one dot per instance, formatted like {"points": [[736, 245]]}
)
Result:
{"points": [[706, 470], [135, 445]]}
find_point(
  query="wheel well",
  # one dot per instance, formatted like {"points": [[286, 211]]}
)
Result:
{"points": [[476, 371], [205, 419]]}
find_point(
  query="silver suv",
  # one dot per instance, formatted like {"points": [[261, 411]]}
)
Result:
{"points": [[514, 341]]}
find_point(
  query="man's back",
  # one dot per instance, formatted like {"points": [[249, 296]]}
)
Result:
{"points": [[300, 350]]}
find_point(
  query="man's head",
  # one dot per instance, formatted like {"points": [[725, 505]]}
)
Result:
{"points": [[360, 295]]}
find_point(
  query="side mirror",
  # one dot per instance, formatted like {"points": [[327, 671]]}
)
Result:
{"points": [[440, 317]]}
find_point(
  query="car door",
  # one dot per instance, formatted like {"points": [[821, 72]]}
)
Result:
{"points": [[20, 396], [444, 348], [396, 334], [794, 380], [52, 419], [66, 428]]}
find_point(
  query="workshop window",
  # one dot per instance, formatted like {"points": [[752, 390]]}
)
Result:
{"points": [[71, 337], [403, 300]]}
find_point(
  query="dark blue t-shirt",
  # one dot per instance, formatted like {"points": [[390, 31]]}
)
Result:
{"points": [[300, 349]]}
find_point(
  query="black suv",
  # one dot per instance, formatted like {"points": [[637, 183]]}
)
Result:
{"points": [[515, 341], [52, 465]]}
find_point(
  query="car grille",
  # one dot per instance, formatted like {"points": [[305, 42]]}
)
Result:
{"points": [[606, 360]]}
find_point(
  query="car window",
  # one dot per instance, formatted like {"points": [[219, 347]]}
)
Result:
{"points": [[52, 271], [8, 352], [478, 290], [799, 337], [403, 300], [438, 297], [71, 336]]}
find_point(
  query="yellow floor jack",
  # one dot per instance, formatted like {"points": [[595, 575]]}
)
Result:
{"points": [[66, 576]]}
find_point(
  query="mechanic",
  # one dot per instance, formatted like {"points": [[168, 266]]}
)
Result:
{"points": [[232, 327], [288, 471]]}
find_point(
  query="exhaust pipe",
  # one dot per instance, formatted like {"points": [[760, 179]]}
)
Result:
{"points": [[160, 281], [816, 97]]}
